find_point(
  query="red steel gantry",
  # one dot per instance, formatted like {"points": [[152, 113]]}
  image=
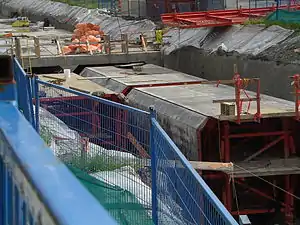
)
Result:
{"points": [[216, 18]]}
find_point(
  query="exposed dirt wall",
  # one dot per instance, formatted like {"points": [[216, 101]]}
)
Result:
{"points": [[274, 76]]}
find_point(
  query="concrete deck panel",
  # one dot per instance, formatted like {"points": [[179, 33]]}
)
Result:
{"points": [[72, 61]]}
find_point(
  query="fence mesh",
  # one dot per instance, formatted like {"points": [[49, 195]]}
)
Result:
{"points": [[107, 147], [105, 144], [192, 200], [12, 198], [285, 16]]}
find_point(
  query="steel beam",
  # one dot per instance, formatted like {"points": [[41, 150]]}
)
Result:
{"points": [[266, 147]]}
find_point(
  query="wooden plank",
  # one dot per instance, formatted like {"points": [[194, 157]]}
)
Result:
{"points": [[80, 85], [271, 167], [92, 78], [197, 165]]}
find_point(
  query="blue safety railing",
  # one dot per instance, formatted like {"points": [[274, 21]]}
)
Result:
{"points": [[176, 181], [166, 182], [35, 187], [105, 139]]}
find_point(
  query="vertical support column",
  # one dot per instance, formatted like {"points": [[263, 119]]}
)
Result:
{"points": [[199, 143], [296, 79], [37, 103], [237, 85], [94, 124], [37, 48], [106, 39], [18, 48], [153, 166], [258, 114], [288, 199], [227, 192], [226, 142], [2, 186], [285, 125], [124, 129], [119, 129], [124, 38]]}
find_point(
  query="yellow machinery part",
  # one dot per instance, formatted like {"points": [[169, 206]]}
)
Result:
{"points": [[159, 36], [20, 23]]}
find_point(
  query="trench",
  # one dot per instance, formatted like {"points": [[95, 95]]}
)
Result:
{"points": [[274, 76]]}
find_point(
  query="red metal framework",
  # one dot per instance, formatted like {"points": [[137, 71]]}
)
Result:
{"points": [[275, 135], [217, 17], [296, 85], [240, 84]]}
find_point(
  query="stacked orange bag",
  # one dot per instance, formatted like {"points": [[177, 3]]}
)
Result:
{"points": [[85, 32]]}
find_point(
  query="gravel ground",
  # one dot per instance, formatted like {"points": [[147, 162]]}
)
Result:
{"points": [[287, 51]]}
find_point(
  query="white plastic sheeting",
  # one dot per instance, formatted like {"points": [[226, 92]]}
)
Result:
{"points": [[179, 38], [64, 141], [66, 14], [169, 211], [250, 39]]}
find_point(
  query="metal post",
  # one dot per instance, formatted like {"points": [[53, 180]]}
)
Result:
{"points": [[29, 100], [106, 44], [277, 6], [124, 38], [153, 166], [18, 48], [5, 192], [37, 104], [37, 48]]}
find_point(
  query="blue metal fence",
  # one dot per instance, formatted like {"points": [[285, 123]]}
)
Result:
{"points": [[102, 138], [35, 187], [178, 185], [24, 91], [164, 182], [107, 140]]}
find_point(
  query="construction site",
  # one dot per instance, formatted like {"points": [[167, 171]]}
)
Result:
{"points": [[226, 89]]}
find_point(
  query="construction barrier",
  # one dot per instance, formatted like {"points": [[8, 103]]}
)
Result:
{"points": [[105, 144], [124, 153], [35, 187], [176, 181], [24, 92], [284, 16]]}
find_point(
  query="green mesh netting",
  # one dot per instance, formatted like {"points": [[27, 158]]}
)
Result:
{"points": [[285, 16], [121, 204]]}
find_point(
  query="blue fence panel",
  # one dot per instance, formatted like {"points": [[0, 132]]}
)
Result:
{"points": [[36, 188], [178, 194], [107, 140], [181, 192], [24, 92], [109, 124]]}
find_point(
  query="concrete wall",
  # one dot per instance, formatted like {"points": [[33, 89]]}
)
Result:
{"points": [[274, 76]]}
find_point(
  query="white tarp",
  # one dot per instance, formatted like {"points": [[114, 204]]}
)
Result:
{"points": [[66, 14], [169, 211], [250, 39], [179, 38], [65, 142]]}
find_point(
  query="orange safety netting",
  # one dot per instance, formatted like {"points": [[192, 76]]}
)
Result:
{"points": [[83, 34]]}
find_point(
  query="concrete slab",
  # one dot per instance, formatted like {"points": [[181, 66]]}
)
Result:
{"points": [[199, 98], [74, 83], [72, 61]]}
